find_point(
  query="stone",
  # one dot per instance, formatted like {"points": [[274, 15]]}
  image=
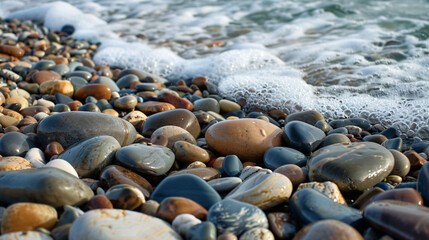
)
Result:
{"points": [[394, 143], [377, 138], [43, 185], [232, 166], [186, 152], [142, 75], [71, 127], [171, 207], [207, 104], [43, 76], [12, 113], [124, 196], [61, 233], [335, 138], [423, 182], [353, 167], [44, 65], [100, 202], [89, 107], [82, 74], [227, 106], [151, 107], [33, 110], [135, 117], [323, 125], [62, 165], [328, 229], [173, 134], [310, 117], [108, 224], [263, 190], [177, 117], [99, 91], [295, 174], [197, 164], [7, 121], [36, 157], [152, 160], [414, 159], [249, 139], [257, 234], [26, 235], [231, 216], [279, 156], [183, 222], [399, 219], [303, 136], [175, 100], [14, 163], [391, 132], [126, 103], [113, 175], [53, 148], [187, 186], [89, 156], [309, 206], [408, 195], [402, 163], [106, 81], [205, 173], [204, 230], [12, 50], [360, 122], [328, 188], [282, 225], [225, 184], [27, 217], [127, 80], [15, 144], [56, 86], [18, 99]]}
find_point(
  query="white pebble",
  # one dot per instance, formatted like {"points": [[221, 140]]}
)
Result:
{"points": [[183, 222], [36, 157], [63, 165]]}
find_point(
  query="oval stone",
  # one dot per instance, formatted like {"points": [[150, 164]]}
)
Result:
{"points": [[62, 165], [152, 107], [408, 195], [153, 160], [279, 156], [282, 225], [205, 173], [295, 174], [15, 144], [353, 167], [249, 139], [231, 216], [225, 184], [173, 134], [43, 76], [56, 86], [303, 136], [187, 186], [328, 229], [402, 164], [88, 157], [423, 182], [188, 153], [328, 188], [204, 230], [26, 235], [71, 127], [171, 207], [43, 185], [14, 163], [175, 100], [106, 81], [109, 224], [99, 91], [207, 104], [310, 117]]}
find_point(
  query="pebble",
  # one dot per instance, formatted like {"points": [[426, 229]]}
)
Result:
{"points": [[43, 185], [62, 165], [106, 81], [107, 224], [295, 174], [408, 195], [26, 235], [53, 148], [278, 156], [335, 138], [282, 225], [36, 157], [152, 160], [377, 138], [127, 80], [227, 106], [353, 167], [423, 182], [99, 91], [173, 134], [329, 229], [126, 103], [56, 86], [204, 230], [414, 159], [263, 190], [89, 156], [15, 144], [186, 152], [249, 139], [135, 118], [124, 196], [205, 173], [183, 222], [207, 104], [43, 76], [177, 117], [257, 234], [311, 117], [328, 188], [402, 163], [27, 217], [303, 136], [236, 217], [225, 184], [14, 163], [100, 202], [175, 100], [360, 122], [187, 186], [171, 207], [151, 107], [232, 166]]}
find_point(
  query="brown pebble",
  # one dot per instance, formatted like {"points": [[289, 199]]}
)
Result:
{"points": [[33, 110], [173, 134], [415, 159], [176, 101], [173, 206], [112, 112], [200, 81], [12, 113], [12, 51], [99, 202], [188, 153], [11, 129], [57, 86], [277, 114], [74, 106], [43, 76], [53, 148], [150, 208], [206, 174], [409, 195], [295, 174], [329, 230], [98, 91], [217, 163], [152, 107], [160, 140]]}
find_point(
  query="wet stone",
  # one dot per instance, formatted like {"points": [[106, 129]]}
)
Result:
{"points": [[402, 164], [414, 159], [231, 216], [36, 157], [328, 188], [15, 144], [62, 165], [323, 125], [225, 184], [377, 138], [171, 207], [152, 160], [228, 106], [99, 91], [232, 166], [423, 182], [303, 136], [311, 117], [391, 132], [44, 65], [175, 100], [183, 222], [393, 143], [207, 104], [205, 173], [178, 117], [146, 87], [279, 156], [353, 167], [328, 229], [335, 138], [188, 153], [14, 163], [124, 196], [151, 107], [56, 86], [360, 122], [204, 230], [408, 195], [173, 134], [42, 76], [106, 81], [282, 225], [295, 174]]}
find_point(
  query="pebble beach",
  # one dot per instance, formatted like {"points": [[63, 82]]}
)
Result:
{"points": [[92, 151]]}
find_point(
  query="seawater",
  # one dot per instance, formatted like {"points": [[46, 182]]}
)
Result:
{"points": [[366, 58]]}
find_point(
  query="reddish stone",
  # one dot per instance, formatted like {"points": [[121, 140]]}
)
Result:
{"points": [[74, 106], [99, 91], [409, 195], [199, 81], [33, 110], [43, 76], [415, 159], [295, 174], [152, 107], [176, 101], [328, 229], [173, 206], [99, 202], [11, 50], [52, 149]]}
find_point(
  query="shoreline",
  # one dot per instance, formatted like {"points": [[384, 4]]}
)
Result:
{"points": [[168, 140]]}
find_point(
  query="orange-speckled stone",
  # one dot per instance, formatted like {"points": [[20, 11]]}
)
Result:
{"points": [[99, 91], [57, 86], [176, 101], [246, 138], [14, 163]]}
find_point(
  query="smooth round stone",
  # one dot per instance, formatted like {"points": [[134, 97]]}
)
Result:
{"points": [[56, 86], [77, 83], [197, 164], [146, 87], [43, 185], [103, 104], [62, 165], [107, 224], [204, 230], [279, 156], [27, 217], [408, 195], [113, 175], [184, 222], [391, 132], [399, 219], [124, 196], [43, 76], [249, 139], [151, 107], [251, 171], [207, 104], [7, 121], [186, 152], [99, 202], [88, 157], [377, 138], [175, 100], [329, 189], [26, 235], [227, 106], [99, 91], [12, 50], [282, 225], [150, 208], [323, 125], [61, 108], [205, 173], [263, 190], [33, 110], [232, 166], [127, 102], [303, 136], [328, 229], [295, 174], [257, 234], [135, 117], [176, 117], [353, 167], [231, 216], [310, 117], [89, 107], [53, 148], [423, 182], [225, 184], [61, 69], [14, 163], [15, 144], [142, 75], [394, 143], [71, 127], [127, 80], [106, 81], [153, 160], [335, 138], [173, 134], [171, 207], [36, 157], [61, 98], [402, 164], [187, 186], [83, 74], [61, 232], [43, 65], [360, 122], [309, 205]]}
